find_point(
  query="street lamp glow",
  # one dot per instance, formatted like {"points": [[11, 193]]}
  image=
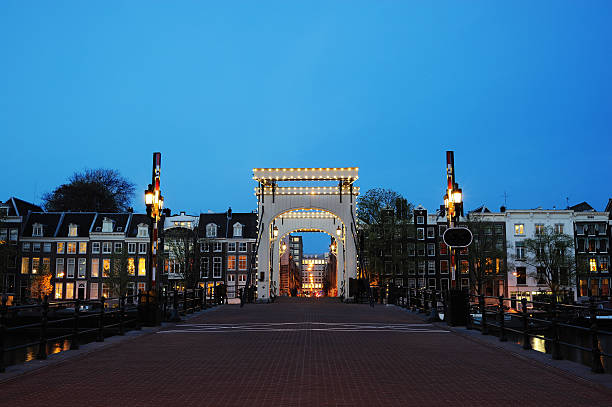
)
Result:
{"points": [[457, 196], [275, 231], [148, 197], [339, 231]]}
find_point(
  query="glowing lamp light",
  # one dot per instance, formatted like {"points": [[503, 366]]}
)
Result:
{"points": [[148, 197], [275, 231], [457, 196], [283, 246], [339, 231]]}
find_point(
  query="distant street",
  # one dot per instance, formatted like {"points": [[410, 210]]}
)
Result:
{"points": [[302, 352]]}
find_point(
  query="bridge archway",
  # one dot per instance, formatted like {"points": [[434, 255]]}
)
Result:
{"points": [[327, 208]]}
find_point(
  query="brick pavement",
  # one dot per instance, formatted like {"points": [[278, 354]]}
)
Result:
{"points": [[304, 353]]}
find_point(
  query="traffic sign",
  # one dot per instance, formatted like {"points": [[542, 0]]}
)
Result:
{"points": [[457, 237]]}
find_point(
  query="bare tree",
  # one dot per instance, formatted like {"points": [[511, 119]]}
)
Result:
{"points": [[184, 253], [551, 253], [121, 272]]}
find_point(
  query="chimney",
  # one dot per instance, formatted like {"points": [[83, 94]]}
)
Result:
{"points": [[502, 209]]}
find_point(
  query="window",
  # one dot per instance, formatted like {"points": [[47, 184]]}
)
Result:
{"points": [[211, 230], [105, 290], [37, 230], [231, 247], [444, 266], [520, 250], [559, 228], [35, 264], [464, 267], [420, 233], [421, 267], [431, 267], [237, 230], [231, 278], [58, 291], [521, 275], [13, 235], [519, 229], [443, 248], [592, 265], [107, 225], [431, 283], [59, 268], [204, 247], [142, 287], [82, 267], [142, 248], [204, 267], [441, 229], [70, 267], [431, 249], [71, 248], [25, 265], [118, 247], [93, 291], [143, 230], [411, 249], [216, 267], [46, 265], [142, 266], [4, 234], [26, 246], [603, 264], [420, 220], [217, 247], [105, 267], [72, 232], [131, 267], [95, 267], [131, 248], [421, 249], [60, 247], [431, 232], [539, 229], [541, 275], [465, 283], [242, 246], [82, 247], [69, 291], [231, 262], [499, 229], [47, 247], [95, 247], [106, 248]]}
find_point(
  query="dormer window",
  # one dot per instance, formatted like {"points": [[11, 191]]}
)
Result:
{"points": [[143, 230], [237, 230], [73, 230], [37, 229], [211, 230], [107, 225]]}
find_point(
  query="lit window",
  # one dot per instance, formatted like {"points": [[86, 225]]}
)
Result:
{"points": [[25, 265], [242, 262], [82, 247], [142, 266], [559, 228], [592, 265], [71, 248], [105, 267], [444, 266], [58, 291], [231, 262], [69, 291], [519, 229], [131, 267], [93, 291], [60, 247], [35, 264], [59, 268], [539, 229], [72, 232], [95, 268]]}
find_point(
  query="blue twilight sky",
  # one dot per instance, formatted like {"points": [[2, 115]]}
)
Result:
{"points": [[520, 90]]}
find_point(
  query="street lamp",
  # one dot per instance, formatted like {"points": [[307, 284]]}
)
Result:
{"points": [[154, 202], [339, 231], [275, 231]]}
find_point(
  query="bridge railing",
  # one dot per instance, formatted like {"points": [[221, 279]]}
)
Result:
{"points": [[528, 319], [75, 320]]}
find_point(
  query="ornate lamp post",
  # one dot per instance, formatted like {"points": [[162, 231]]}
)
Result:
{"points": [[453, 207], [154, 202]]}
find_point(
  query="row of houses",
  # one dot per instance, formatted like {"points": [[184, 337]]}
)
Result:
{"points": [[416, 256], [79, 249]]}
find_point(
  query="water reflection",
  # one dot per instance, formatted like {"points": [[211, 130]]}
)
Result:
{"points": [[32, 351]]}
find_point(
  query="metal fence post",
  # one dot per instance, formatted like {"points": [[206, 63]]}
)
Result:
{"points": [[121, 315], [100, 337], [596, 366], [468, 316], [556, 347], [526, 337], [484, 328], [3, 310], [42, 347], [138, 310], [74, 343], [502, 322]]}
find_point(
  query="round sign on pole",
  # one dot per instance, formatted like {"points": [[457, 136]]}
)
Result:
{"points": [[457, 237]]}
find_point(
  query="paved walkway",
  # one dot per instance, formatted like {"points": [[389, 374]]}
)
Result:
{"points": [[304, 353]]}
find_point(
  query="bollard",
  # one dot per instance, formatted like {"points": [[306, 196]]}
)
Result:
{"points": [[138, 324], [484, 328], [3, 311], [596, 365], [556, 346], [468, 319], [502, 322], [526, 337], [74, 343], [121, 315], [100, 337]]}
